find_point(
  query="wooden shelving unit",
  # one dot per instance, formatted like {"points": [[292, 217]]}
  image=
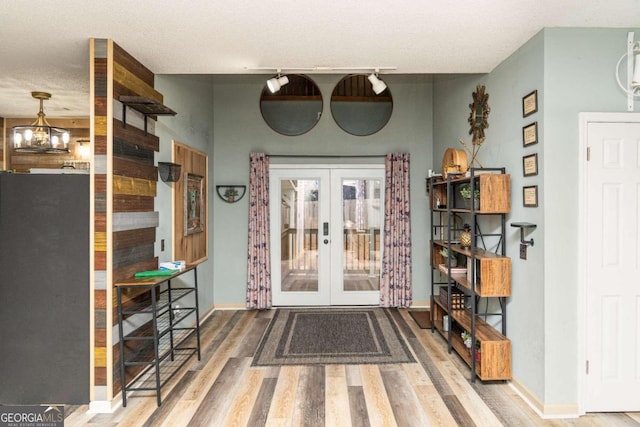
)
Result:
{"points": [[487, 274]]}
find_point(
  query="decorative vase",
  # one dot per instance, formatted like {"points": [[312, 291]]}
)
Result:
{"points": [[465, 236], [454, 262]]}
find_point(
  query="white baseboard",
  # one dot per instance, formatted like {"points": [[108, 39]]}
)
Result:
{"points": [[544, 411], [104, 406], [230, 306]]}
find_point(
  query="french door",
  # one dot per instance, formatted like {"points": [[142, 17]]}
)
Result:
{"points": [[326, 235]]}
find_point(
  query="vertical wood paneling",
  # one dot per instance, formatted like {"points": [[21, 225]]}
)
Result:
{"points": [[124, 189], [98, 133]]}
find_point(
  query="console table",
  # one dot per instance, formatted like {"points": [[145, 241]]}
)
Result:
{"points": [[161, 350]]}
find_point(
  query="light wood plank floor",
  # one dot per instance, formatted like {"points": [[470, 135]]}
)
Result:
{"points": [[223, 389]]}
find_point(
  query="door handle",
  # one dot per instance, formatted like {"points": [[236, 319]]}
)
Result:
{"points": [[326, 241], [325, 229]]}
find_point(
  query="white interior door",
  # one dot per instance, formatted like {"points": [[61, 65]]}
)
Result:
{"points": [[326, 235], [612, 262]]}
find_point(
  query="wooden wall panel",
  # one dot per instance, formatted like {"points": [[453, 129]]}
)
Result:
{"points": [[126, 167], [2, 143], [192, 248], [128, 203], [98, 132], [131, 238], [135, 136], [121, 56]]}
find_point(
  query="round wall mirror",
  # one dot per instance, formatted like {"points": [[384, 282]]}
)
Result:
{"points": [[357, 109], [295, 108], [479, 115]]}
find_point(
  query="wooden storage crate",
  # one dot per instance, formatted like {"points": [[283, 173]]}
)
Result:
{"points": [[457, 298]]}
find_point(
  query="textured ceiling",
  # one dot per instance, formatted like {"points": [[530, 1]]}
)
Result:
{"points": [[44, 44]]}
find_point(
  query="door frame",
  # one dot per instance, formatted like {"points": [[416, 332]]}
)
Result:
{"points": [[328, 167], [584, 120]]}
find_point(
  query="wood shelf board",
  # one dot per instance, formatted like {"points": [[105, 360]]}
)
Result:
{"points": [[484, 331], [147, 106], [477, 252], [495, 359]]}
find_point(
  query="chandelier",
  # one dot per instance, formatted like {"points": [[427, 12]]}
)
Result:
{"points": [[40, 136]]}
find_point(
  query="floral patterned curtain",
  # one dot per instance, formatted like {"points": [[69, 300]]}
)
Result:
{"points": [[258, 257], [395, 286]]}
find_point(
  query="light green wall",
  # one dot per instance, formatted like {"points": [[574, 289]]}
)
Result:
{"points": [[191, 97], [506, 85], [239, 130], [573, 71], [579, 77]]}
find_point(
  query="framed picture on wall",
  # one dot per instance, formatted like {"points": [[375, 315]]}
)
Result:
{"points": [[193, 204], [530, 103], [530, 196], [530, 134], [530, 165]]}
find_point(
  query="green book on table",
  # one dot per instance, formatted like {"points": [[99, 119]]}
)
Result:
{"points": [[154, 273]]}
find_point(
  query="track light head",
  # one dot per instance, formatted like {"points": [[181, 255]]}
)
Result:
{"points": [[378, 85], [274, 84]]}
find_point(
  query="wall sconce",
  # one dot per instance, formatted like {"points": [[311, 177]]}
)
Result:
{"points": [[231, 193], [378, 85], [169, 172], [632, 86], [274, 84]]}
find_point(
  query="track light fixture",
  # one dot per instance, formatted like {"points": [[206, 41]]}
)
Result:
{"points": [[378, 85], [274, 84], [632, 86]]}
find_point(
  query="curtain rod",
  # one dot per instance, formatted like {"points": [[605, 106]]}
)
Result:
{"points": [[331, 156]]}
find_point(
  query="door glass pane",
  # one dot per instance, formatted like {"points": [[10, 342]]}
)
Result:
{"points": [[361, 219], [299, 235]]}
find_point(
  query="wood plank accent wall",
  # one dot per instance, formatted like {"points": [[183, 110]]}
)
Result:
{"points": [[124, 191], [2, 144]]}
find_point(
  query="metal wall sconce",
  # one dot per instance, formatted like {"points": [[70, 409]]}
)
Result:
{"points": [[169, 172], [231, 193]]}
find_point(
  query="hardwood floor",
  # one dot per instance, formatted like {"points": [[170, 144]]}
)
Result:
{"points": [[223, 389]]}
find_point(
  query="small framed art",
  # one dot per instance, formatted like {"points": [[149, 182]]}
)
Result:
{"points": [[530, 165], [530, 196], [530, 103], [530, 134]]}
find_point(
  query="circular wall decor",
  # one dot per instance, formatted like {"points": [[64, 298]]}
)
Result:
{"points": [[295, 108], [357, 109]]}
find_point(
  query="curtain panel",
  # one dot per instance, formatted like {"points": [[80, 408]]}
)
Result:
{"points": [[395, 285], [258, 257]]}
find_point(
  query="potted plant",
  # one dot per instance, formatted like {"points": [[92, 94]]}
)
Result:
{"points": [[466, 339], [230, 194], [465, 192], [452, 256]]}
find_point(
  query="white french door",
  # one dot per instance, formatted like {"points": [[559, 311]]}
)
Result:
{"points": [[326, 235], [612, 255]]}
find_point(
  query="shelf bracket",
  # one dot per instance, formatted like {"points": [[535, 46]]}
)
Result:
{"points": [[522, 226]]}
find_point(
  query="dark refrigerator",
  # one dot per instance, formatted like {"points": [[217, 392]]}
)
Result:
{"points": [[44, 289]]}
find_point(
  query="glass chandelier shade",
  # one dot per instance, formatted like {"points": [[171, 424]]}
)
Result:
{"points": [[40, 136]]}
